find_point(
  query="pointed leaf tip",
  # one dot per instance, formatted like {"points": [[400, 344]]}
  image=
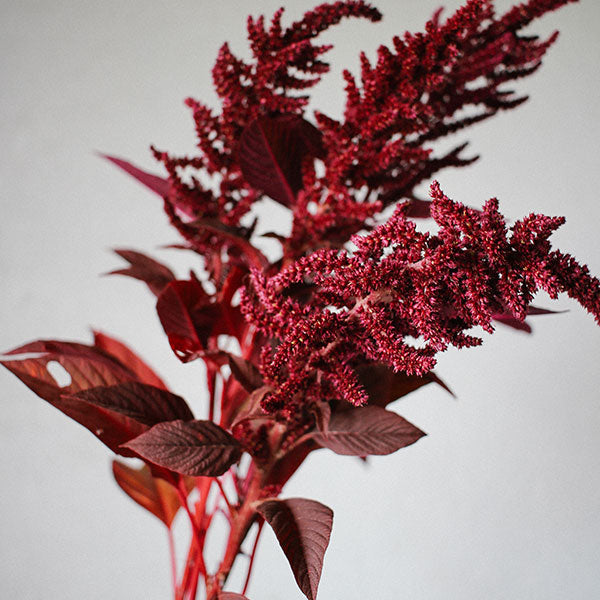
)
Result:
{"points": [[367, 430], [127, 356], [153, 273], [303, 528], [157, 184], [195, 448]]}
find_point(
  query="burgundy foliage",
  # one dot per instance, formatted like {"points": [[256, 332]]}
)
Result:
{"points": [[154, 494], [302, 528], [367, 430], [350, 316], [195, 448]]}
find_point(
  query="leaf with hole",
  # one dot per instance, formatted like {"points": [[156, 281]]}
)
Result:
{"points": [[87, 366]]}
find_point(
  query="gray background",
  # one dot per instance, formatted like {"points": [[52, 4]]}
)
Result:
{"points": [[500, 501]]}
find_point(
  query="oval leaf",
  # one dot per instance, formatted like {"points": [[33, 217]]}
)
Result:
{"points": [[102, 395], [155, 495], [196, 448], [144, 403], [303, 528], [271, 153], [367, 430]]}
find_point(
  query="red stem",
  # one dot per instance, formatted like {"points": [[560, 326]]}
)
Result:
{"points": [[196, 534], [251, 563], [224, 496], [195, 577], [240, 524], [211, 376], [173, 561]]}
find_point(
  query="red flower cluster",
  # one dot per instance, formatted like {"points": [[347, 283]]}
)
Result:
{"points": [[352, 314], [398, 284]]}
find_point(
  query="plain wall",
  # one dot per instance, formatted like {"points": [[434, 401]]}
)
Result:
{"points": [[500, 501]]}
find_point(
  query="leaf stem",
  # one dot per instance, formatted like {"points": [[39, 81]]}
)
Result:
{"points": [[224, 496], [173, 561], [251, 563], [211, 377], [181, 491], [240, 525]]}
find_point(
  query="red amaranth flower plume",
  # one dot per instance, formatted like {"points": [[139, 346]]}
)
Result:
{"points": [[399, 284]]}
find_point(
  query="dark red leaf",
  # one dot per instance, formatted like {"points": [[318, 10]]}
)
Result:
{"points": [[419, 209], [245, 372], [111, 427], [290, 462], [303, 528], [195, 448], [231, 596], [118, 413], [128, 357], [511, 321], [383, 386], [87, 366], [188, 317], [536, 310], [367, 430], [154, 274], [103, 395], [144, 403], [232, 238], [154, 494], [271, 153], [157, 184]]}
